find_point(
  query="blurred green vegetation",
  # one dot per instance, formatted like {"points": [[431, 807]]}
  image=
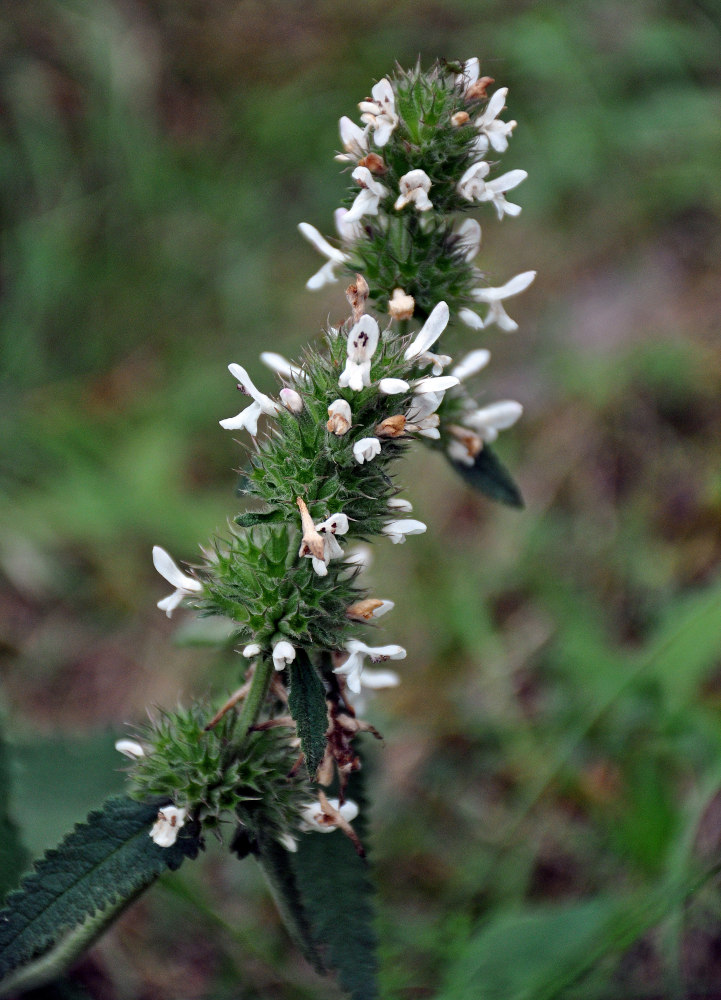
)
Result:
{"points": [[547, 818]]}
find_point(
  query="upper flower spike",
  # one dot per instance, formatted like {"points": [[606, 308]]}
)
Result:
{"points": [[185, 586], [362, 342]]}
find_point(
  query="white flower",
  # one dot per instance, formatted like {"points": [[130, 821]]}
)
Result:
{"points": [[474, 187], [283, 654], [414, 187], [361, 556], [281, 366], [493, 132], [355, 140], [380, 113], [495, 297], [434, 383], [429, 332], [336, 524], [392, 386], [167, 825], [469, 238], [291, 399], [185, 586], [353, 666], [366, 449], [471, 70], [397, 530], [336, 257], [368, 198], [421, 417], [316, 820], [489, 420], [340, 417], [362, 342], [438, 361], [251, 650], [473, 362], [130, 748], [398, 503], [247, 419]]}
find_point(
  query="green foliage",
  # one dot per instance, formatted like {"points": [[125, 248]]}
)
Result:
{"points": [[335, 886], [307, 704], [13, 856], [491, 477], [80, 886], [214, 774]]}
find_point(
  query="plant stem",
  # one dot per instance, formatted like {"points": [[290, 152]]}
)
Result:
{"points": [[262, 676]]}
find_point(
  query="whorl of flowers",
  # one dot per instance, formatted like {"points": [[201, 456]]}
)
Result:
{"points": [[322, 447], [425, 154]]}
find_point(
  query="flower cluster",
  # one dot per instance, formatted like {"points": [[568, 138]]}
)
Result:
{"points": [[318, 482], [421, 157]]}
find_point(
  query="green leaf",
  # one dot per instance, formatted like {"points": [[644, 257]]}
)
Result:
{"points": [[13, 857], [337, 892], [77, 889], [278, 867], [253, 517], [307, 704], [491, 477]]}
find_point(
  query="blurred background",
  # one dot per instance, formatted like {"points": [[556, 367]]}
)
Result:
{"points": [[545, 802]]}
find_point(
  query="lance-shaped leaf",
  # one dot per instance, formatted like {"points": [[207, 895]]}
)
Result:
{"points": [[79, 887], [491, 477], [306, 700], [337, 892]]}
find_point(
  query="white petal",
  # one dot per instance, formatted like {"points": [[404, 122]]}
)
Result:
{"points": [[130, 748], [435, 383], [397, 503], [378, 680], [283, 654], [167, 568], [321, 244], [494, 107], [472, 363], [251, 650], [470, 318], [497, 416], [513, 287], [429, 333], [324, 276], [393, 386], [506, 182], [246, 420], [470, 236]]}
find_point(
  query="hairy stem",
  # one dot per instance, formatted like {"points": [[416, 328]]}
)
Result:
{"points": [[262, 676]]}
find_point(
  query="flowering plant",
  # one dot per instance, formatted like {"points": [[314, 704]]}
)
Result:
{"points": [[277, 764]]}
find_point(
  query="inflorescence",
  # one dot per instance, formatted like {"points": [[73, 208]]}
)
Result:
{"points": [[288, 575]]}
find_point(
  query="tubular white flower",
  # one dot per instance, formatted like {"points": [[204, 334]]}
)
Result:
{"points": [[397, 530], [398, 503], [366, 449], [316, 820], [421, 417], [393, 386], [326, 275], [493, 132], [130, 748], [353, 666], [414, 187], [336, 524], [380, 113], [489, 420], [355, 140], [291, 400], [185, 586], [429, 332], [495, 297], [281, 366], [472, 184], [473, 363], [167, 826], [470, 318], [340, 417], [434, 383], [469, 238], [283, 654], [495, 192], [247, 419], [362, 342], [251, 650], [368, 198]]}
